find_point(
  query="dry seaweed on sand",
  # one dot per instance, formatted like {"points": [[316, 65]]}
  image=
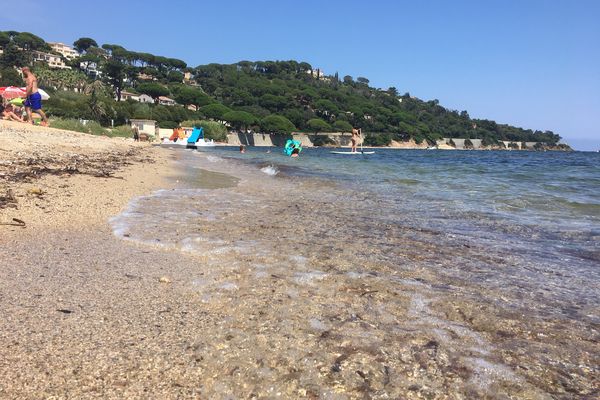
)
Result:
{"points": [[24, 167]]}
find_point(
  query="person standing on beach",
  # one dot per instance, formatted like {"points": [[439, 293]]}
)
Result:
{"points": [[136, 133], [34, 98], [356, 136]]}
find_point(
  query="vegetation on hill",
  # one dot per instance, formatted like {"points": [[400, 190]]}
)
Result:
{"points": [[269, 96]]}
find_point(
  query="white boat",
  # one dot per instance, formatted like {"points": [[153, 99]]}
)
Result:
{"points": [[202, 143]]}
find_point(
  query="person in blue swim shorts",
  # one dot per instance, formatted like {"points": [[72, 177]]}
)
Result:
{"points": [[34, 99]]}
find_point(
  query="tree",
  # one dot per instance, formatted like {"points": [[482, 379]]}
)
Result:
{"points": [[83, 44], [186, 95], [114, 73], [61, 79], [28, 41], [304, 67], [10, 77], [12, 57], [295, 116], [362, 80], [382, 139], [97, 51], [4, 39], [153, 90], [326, 108], [318, 125], [110, 48], [277, 124], [175, 76], [174, 63], [272, 102], [100, 105], [348, 79], [342, 126], [86, 62], [215, 110], [239, 119]]}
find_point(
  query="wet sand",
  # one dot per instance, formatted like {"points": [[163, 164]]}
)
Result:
{"points": [[271, 309]]}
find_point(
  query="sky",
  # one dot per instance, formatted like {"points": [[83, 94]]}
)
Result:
{"points": [[528, 63]]}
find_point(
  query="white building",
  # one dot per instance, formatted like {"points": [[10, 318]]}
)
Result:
{"points": [[67, 51], [144, 98], [147, 126], [91, 68], [52, 60]]}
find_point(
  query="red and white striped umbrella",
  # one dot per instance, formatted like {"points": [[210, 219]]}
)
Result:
{"points": [[12, 92]]}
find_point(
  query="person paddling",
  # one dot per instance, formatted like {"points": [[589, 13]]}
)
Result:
{"points": [[34, 98], [356, 136]]}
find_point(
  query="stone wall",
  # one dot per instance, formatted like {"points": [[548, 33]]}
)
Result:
{"points": [[343, 140], [507, 144], [266, 140]]}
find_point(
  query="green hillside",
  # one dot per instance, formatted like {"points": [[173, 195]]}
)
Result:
{"points": [[267, 96]]}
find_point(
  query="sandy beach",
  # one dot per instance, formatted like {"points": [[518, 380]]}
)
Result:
{"points": [[238, 302], [57, 191], [64, 179]]}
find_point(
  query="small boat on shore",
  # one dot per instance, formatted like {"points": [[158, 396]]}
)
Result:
{"points": [[195, 140]]}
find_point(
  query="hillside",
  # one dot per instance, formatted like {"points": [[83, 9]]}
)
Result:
{"points": [[268, 96]]}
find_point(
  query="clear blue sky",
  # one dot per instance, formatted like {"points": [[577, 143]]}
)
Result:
{"points": [[529, 63]]}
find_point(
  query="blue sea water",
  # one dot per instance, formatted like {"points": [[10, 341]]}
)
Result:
{"points": [[513, 234], [555, 194]]}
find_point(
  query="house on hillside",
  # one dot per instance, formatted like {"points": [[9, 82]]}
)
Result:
{"points": [[192, 107], [144, 98], [165, 101], [53, 60], [90, 68], [67, 51], [146, 77], [129, 96], [188, 79]]}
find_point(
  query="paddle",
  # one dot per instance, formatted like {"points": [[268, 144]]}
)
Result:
{"points": [[361, 141]]}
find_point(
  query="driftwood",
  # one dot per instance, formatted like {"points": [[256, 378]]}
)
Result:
{"points": [[15, 222], [25, 167]]}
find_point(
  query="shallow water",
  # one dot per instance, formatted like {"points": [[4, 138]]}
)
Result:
{"points": [[479, 269]]}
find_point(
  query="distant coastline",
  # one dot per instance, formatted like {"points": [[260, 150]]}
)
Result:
{"points": [[337, 139]]}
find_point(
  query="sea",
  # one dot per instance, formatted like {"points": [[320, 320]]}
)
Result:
{"points": [[492, 258]]}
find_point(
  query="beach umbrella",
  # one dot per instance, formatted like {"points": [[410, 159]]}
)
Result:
{"points": [[11, 92], [45, 96]]}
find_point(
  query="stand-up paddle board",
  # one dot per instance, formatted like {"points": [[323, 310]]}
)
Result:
{"points": [[353, 153]]}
